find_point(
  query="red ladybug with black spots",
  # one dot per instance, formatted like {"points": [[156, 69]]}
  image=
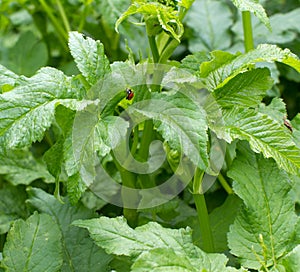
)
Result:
{"points": [[130, 94]]}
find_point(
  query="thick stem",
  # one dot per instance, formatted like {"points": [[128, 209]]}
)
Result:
{"points": [[154, 50], [146, 140], [204, 225], [146, 181], [128, 180], [247, 26]]}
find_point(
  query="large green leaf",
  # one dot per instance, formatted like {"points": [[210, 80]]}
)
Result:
{"points": [[89, 57], [91, 134], [264, 230], [245, 90], [181, 122], [28, 110], [53, 156], [210, 21], [221, 218], [264, 134], [224, 66], [116, 237], [27, 55], [33, 245], [151, 241], [255, 7], [20, 167], [79, 252]]}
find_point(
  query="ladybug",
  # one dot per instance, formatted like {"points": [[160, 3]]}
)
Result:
{"points": [[130, 94]]}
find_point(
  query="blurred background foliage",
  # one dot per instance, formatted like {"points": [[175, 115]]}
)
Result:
{"points": [[34, 33]]}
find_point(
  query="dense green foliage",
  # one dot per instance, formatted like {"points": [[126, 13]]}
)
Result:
{"points": [[149, 135]]}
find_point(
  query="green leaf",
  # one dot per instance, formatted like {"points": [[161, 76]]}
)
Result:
{"points": [[178, 116], [112, 10], [276, 109], [210, 22], [264, 134], [7, 77], [166, 259], [20, 167], [264, 230], [224, 66], [192, 62], [245, 90], [75, 187], [28, 55], [116, 237], [53, 156], [12, 206], [28, 242], [254, 7], [92, 134], [89, 57], [79, 252], [28, 110], [163, 259], [221, 218]]}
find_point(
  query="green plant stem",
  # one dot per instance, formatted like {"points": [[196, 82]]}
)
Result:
{"points": [[83, 17], [147, 137], [60, 31], [57, 191], [225, 184], [153, 47], [63, 16], [128, 180], [135, 140], [146, 140], [204, 225], [148, 125], [247, 26]]}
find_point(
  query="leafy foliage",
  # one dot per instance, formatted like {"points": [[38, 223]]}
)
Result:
{"points": [[154, 13], [29, 241], [80, 120], [152, 241], [258, 235]]}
